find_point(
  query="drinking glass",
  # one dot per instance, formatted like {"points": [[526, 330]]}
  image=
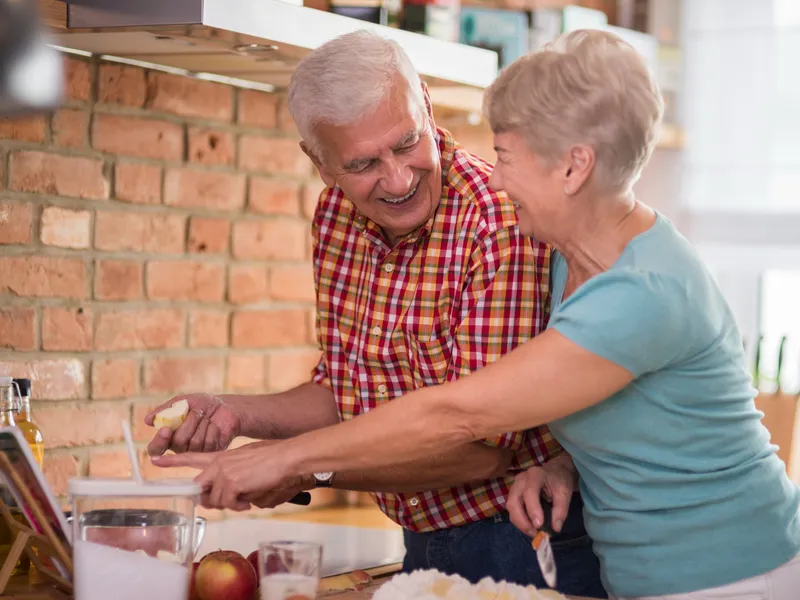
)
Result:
{"points": [[289, 570]]}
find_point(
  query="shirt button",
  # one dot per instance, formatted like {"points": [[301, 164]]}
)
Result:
{"points": [[388, 267], [382, 388], [414, 501], [376, 330]]}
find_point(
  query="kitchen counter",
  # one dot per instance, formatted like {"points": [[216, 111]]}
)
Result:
{"points": [[345, 548]]}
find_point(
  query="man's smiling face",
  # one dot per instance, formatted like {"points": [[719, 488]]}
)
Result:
{"points": [[387, 163]]}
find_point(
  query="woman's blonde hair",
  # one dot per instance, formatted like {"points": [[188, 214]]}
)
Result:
{"points": [[586, 87]]}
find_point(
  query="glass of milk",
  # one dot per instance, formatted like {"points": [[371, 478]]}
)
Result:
{"points": [[289, 570], [132, 540]]}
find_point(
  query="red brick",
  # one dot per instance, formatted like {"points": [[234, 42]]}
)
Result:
{"points": [[288, 369], [246, 373], [43, 276], [66, 329], [268, 328], [139, 232], [273, 155], [274, 197], [152, 329], [118, 280], [204, 189], [311, 319], [247, 284], [78, 78], [45, 173], [292, 283], [258, 109], [82, 425], [70, 128], [274, 239], [109, 463], [24, 129], [311, 193], [15, 222], [285, 121], [189, 97], [211, 147], [17, 328], [121, 84], [142, 432], [209, 236], [58, 470], [55, 379], [208, 329], [66, 228], [189, 374], [185, 280], [137, 183], [134, 136], [114, 378]]}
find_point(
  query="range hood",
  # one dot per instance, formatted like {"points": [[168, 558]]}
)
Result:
{"points": [[256, 41]]}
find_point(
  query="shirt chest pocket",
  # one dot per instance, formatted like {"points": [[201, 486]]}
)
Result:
{"points": [[428, 358]]}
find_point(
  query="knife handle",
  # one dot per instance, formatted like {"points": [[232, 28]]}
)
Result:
{"points": [[547, 511], [303, 499]]}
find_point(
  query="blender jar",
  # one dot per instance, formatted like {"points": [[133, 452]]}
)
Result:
{"points": [[130, 539]]}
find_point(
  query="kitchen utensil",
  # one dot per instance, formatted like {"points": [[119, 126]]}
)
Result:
{"points": [[130, 540], [142, 518], [541, 543]]}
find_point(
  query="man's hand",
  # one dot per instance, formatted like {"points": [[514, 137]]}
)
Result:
{"points": [[209, 426], [556, 480], [235, 479]]}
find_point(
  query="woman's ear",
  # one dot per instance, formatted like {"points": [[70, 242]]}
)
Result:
{"points": [[580, 165]]}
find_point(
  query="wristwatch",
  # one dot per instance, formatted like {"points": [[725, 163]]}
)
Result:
{"points": [[323, 479]]}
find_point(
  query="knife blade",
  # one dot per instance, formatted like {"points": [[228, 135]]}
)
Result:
{"points": [[541, 544]]}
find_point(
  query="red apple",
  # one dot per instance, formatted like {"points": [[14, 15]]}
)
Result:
{"points": [[225, 575], [252, 558], [192, 588]]}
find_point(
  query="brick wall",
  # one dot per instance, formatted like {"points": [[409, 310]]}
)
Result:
{"points": [[154, 239]]}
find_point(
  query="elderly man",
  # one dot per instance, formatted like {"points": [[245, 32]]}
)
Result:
{"points": [[422, 277]]}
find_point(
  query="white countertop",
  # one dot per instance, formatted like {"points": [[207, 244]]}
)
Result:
{"points": [[344, 548]]}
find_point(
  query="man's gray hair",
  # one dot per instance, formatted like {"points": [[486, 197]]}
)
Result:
{"points": [[345, 79]]}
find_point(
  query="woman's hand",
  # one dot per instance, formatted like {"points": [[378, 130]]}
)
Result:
{"points": [[209, 426], [235, 479], [556, 479]]}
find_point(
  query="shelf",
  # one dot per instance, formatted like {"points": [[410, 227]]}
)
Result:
{"points": [[255, 41]]}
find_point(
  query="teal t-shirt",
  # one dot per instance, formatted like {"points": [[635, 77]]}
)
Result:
{"points": [[682, 489]]}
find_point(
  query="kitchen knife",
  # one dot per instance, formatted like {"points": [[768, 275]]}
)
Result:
{"points": [[303, 499], [541, 544]]}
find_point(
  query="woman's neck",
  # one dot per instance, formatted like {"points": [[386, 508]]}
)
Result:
{"points": [[597, 237]]}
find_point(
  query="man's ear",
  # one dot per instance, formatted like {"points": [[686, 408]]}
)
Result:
{"points": [[428, 105], [326, 176]]}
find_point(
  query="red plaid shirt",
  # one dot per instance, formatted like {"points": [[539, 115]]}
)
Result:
{"points": [[454, 295]]}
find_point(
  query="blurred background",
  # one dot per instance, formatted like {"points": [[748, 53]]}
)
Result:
{"points": [[155, 206]]}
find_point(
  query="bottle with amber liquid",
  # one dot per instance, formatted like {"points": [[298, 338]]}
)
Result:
{"points": [[29, 430], [8, 411]]}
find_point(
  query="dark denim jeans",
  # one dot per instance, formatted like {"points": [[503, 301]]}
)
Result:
{"points": [[496, 548]]}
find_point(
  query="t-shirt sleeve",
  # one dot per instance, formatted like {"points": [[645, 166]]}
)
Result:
{"points": [[637, 319]]}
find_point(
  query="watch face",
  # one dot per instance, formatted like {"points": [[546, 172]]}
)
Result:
{"points": [[323, 476]]}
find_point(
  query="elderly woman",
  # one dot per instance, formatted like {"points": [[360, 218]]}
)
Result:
{"points": [[641, 373]]}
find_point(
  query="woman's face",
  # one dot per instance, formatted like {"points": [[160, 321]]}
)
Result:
{"points": [[536, 186]]}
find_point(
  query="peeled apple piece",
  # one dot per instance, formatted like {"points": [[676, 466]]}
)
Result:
{"points": [[172, 416]]}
